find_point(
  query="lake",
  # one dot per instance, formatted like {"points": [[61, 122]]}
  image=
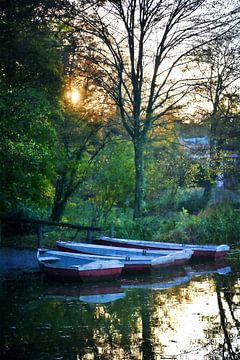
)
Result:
{"points": [[187, 312]]}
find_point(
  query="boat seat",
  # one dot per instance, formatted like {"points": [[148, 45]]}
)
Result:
{"points": [[49, 258]]}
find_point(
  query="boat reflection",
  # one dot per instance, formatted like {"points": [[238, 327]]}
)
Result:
{"points": [[185, 313], [155, 283], [107, 292], [101, 298], [90, 293], [220, 267], [176, 277]]}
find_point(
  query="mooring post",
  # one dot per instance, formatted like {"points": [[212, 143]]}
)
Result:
{"points": [[89, 235], [40, 235]]}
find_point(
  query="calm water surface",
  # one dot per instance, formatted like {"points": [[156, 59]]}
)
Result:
{"points": [[190, 312]]}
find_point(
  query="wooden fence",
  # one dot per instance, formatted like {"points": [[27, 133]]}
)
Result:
{"points": [[41, 222]]}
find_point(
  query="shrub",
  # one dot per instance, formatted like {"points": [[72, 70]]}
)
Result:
{"points": [[220, 224], [126, 227], [191, 199], [184, 229]]}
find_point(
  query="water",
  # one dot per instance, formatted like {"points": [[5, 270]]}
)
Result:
{"points": [[186, 313]]}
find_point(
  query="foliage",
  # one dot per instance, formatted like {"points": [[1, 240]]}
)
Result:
{"points": [[111, 181], [30, 81], [25, 147], [79, 140], [30, 51], [125, 227], [184, 228], [168, 169], [218, 224], [191, 199]]}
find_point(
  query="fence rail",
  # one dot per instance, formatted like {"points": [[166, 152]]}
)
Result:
{"points": [[41, 222]]}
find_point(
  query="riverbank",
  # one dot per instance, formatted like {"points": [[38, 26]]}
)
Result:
{"points": [[16, 262]]}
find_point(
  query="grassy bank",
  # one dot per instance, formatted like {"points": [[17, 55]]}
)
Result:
{"points": [[217, 224]]}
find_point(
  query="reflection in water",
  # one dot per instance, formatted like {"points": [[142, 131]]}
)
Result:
{"points": [[170, 315], [89, 293], [229, 308], [101, 298], [184, 319]]}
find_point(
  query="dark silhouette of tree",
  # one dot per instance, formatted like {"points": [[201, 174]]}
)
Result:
{"points": [[138, 47], [30, 81]]}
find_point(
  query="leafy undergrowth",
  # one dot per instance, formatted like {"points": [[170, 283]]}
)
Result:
{"points": [[216, 225]]}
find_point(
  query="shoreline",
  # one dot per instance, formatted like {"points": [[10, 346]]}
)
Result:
{"points": [[15, 262]]}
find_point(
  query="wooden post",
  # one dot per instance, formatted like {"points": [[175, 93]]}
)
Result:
{"points": [[89, 235], [40, 235]]}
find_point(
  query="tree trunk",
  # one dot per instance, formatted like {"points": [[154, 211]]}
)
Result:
{"points": [[139, 177], [60, 199], [58, 210], [212, 151], [207, 193]]}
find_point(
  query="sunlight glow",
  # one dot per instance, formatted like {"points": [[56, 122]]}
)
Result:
{"points": [[74, 96]]}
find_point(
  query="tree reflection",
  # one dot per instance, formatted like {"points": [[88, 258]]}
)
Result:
{"points": [[227, 345], [228, 319], [200, 316], [223, 331], [147, 346]]}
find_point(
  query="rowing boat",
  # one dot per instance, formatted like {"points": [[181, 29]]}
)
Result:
{"points": [[133, 259], [65, 265], [202, 251]]}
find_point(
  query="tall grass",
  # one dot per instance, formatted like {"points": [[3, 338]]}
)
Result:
{"points": [[218, 224]]}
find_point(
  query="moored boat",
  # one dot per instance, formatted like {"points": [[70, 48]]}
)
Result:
{"points": [[201, 251], [63, 264], [133, 259], [86, 248]]}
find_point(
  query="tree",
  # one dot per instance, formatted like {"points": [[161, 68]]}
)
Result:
{"points": [[111, 180], [138, 46], [30, 79], [82, 127], [25, 148], [168, 169], [30, 47], [218, 66], [44, 139], [79, 141]]}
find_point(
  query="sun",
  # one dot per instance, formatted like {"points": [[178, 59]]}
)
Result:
{"points": [[73, 96]]}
